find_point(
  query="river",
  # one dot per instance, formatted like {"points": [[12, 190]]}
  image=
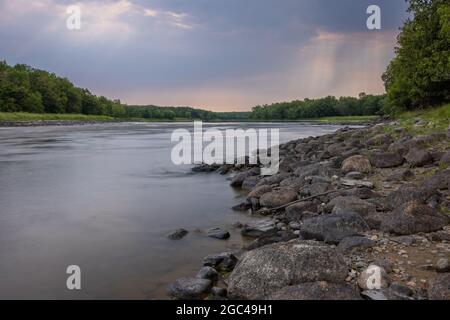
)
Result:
{"points": [[104, 197]]}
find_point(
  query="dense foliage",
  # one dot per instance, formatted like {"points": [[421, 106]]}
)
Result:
{"points": [[364, 105], [419, 75]]}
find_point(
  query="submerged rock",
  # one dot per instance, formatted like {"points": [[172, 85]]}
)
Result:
{"points": [[177, 234], [218, 233]]}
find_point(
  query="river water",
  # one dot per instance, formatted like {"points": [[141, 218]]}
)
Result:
{"points": [[104, 197]]}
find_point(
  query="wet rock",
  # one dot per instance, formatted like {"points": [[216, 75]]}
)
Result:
{"points": [[365, 209], [356, 163], [401, 175], [177, 234], [418, 157], [443, 265], [258, 192], [380, 140], [295, 212], [404, 194], [349, 244], [225, 261], [412, 218], [278, 198], [218, 233], [250, 182], [238, 180], [258, 228], [243, 206], [386, 159], [264, 271], [376, 295], [440, 288], [320, 290], [373, 278], [190, 288], [205, 168], [333, 228], [208, 273]]}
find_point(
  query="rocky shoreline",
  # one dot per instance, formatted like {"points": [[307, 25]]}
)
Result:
{"points": [[341, 205]]}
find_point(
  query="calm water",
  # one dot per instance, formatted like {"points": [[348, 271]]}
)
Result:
{"points": [[103, 197]]}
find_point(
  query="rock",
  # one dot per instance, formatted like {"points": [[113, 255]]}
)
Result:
{"points": [[278, 198], [398, 147], [361, 193], [258, 192], [244, 206], [440, 236], [295, 212], [401, 291], [365, 209], [418, 157], [412, 218], [349, 244], [264, 271], [258, 228], [333, 228], [218, 233], [443, 265], [205, 168], [238, 180], [373, 278], [177, 234], [219, 292], [438, 181], [386, 159], [222, 262], [440, 288], [356, 163], [319, 188], [354, 175], [292, 183], [356, 183], [401, 175], [275, 179], [250, 182], [404, 194], [190, 288], [377, 295], [445, 159], [271, 237], [380, 140], [208, 273], [320, 290]]}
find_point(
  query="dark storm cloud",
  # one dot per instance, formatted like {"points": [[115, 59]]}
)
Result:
{"points": [[212, 53]]}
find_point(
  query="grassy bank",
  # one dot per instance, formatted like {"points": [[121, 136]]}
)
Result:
{"points": [[425, 121], [23, 116], [348, 119]]}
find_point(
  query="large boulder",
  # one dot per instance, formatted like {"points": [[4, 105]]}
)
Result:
{"points": [[264, 271], [418, 157], [386, 159], [278, 198], [258, 228], [318, 291], [404, 194], [364, 208], [412, 218], [439, 181], [258, 192], [239, 179], [190, 288], [356, 163], [334, 227]]}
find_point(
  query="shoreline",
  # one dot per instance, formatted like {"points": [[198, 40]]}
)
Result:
{"points": [[343, 205]]}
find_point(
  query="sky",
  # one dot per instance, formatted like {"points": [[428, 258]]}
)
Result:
{"points": [[220, 55]]}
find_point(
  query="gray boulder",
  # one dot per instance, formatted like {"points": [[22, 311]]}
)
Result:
{"points": [[262, 272], [295, 212], [404, 194], [418, 157], [386, 159], [400, 175], [333, 228], [278, 198], [356, 163], [379, 140], [225, 261], [258, 228], [238, 180], [320, 290], [364, 208], [440, 288], [218, 233], [412, 218], [208, 273], [349, 244], [177, 234]]}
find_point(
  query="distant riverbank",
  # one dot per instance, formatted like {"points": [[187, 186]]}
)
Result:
{"points": [[22, 119]]}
